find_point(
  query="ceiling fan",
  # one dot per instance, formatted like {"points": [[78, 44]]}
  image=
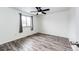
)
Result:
{"points": [[40, 10]]}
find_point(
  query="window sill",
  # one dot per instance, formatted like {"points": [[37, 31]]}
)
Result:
{"points": [[26, 26]]}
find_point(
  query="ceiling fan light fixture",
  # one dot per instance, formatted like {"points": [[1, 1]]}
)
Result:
{"points": [[39, 13]]}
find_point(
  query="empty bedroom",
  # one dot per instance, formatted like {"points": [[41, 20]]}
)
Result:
{"points": [[39, 28]]}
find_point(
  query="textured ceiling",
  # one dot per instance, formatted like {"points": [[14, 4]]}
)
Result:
{"points": [[52, 9]]}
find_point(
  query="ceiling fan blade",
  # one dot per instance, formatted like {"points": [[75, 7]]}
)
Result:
{"points": [[46, 9], [38, 9], [43, 12]]}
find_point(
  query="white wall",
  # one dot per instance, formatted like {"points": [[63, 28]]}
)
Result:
{"points": [[74, 24], [9, 25], [55, 24]]}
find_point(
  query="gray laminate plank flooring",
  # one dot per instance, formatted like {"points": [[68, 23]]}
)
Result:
{"points": [[38, 42]]}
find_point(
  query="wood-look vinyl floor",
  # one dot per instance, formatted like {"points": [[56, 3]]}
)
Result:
{"points": [[38, 42]]}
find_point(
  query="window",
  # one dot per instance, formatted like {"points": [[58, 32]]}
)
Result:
{"points": [[26, 21]]}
